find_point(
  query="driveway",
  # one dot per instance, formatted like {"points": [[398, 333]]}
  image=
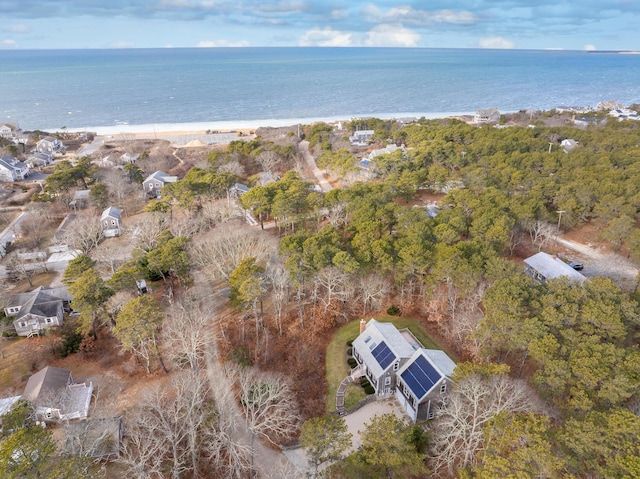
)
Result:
{"points": [[321, 180], [356, 420]]}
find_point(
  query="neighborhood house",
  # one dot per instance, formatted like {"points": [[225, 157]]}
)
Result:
{"points": [[111, 220], [12, 170], [396, 364], [154, 183], [543, 267], [50, 145], [39, 309]]}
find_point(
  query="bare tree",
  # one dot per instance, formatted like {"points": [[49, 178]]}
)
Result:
{"points": [[189, 226], [540, 232], [33, 227], [474, 401], [335, 284], [373, 289], [223, 251], [84, 233], [118, 184], [233, 166], [189, 330], [268, 406], [147, 229], [218, 211], [268, 159], [110, 256], [279, 279]]}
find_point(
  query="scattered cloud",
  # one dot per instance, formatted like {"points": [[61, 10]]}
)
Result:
{"points": [[392, 35], [18, 28], [325, 37], [338, 14], [122, 44], [496, 42], [409, 15], [221, 43], [8, 44], [590, 47]]}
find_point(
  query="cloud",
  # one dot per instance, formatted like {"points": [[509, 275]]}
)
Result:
{"points": [[221, 43], [590, 47], [496, 42], [122, 44], [392, 35], [8, 44], [325, 37], [283, 7], [338, 14], [15, 28], [408, 15]]}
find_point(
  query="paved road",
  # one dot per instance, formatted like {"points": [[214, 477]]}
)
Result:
{"points": [[9, 233], [321, 180]]}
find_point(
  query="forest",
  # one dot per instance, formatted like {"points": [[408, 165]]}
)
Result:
{"points": [[548, 374]]}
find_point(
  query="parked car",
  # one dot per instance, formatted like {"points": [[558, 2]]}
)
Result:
{"points": [[576, 265]]}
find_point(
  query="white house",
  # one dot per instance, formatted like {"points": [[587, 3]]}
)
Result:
{"points": [[543, 267], [35, 159], [396, 364], [12, 170], [153, 183], [568, 145], [487, 116], [129, 158], [8, 130], [36, 310], [111, 220], [361, 137], [50, 145]]}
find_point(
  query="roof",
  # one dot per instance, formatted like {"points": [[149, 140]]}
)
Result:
{"points": [[112, 212], [380, 345], [81, 195], [6, 404], [48, 380], [240, 187], [97, 438], [11, 163], [42, 301], [161, 176], [424, 370], [552, 267]]}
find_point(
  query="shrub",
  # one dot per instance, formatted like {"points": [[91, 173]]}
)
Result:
{"points": [[350, 343], [393, 310], [369, 389], [352, 362], [364, 382], [70, 343], [350, 352]]}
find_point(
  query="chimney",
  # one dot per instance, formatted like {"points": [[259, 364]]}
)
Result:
{"points": [[363, 325]]}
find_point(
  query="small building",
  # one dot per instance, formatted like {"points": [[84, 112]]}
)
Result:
{"points": [[56, 397], [492, 115], [587, 121], [50, 145], [80, 199], [129, 158], [37, 310], [12, 170], [111, 220], [568, 145], [9, 130], [238, 189], [153, 183], [396, 364], [95, 438], [543, 267]]}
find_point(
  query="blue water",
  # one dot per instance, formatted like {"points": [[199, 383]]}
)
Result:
{"points": [[91, 88]]}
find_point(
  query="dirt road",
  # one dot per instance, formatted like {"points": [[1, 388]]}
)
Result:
{"points": [[599, 262], [320, 179]]}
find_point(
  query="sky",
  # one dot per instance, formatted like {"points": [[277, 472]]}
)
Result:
{"points": [[541, 24]]}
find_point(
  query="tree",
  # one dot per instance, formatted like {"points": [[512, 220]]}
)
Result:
{"points": [[387, 450], [170, 259], [325, 439], [268, 406], [84, 233], [137, 327], [76, 267], [99, 195], [134, 172], [90, 295], [479, 393]]}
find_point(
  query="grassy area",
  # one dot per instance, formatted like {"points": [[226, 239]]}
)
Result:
{"points": [[43, 279], [336, 365], [353, 395]]}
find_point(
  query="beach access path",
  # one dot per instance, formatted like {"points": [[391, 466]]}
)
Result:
{"points": [[325, 186]]}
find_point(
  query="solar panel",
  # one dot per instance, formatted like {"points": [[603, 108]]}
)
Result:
{"points": [[383, 355], [420, 376]]}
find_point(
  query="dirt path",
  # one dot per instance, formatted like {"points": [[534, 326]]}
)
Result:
{"points": [[320, 179], [599, 262]]}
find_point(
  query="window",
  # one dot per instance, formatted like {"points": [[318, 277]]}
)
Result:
{"points": [[431, 415], [113, 222], [367, 339], [23, 325], [372, 345], [48, 320], [387, 380], [443, 388], [396, 366]]}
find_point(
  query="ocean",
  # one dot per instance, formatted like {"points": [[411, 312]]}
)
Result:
{"points": [[135, 89]]}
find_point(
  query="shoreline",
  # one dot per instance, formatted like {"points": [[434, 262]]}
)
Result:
{"points": [[238, 125]]}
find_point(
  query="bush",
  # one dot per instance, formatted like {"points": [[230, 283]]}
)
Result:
{"points": [[369, 390], [70, 343], [350, 343], [352, 362], [364, 382], [350, 352], [393, 310]]}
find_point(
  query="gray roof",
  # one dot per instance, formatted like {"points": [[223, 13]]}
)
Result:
{"points": [[112, 212], [96, 438], [42, 301], [376, 333], [81, 195], [161, 176], [6, 404], [425, 370], [11, 163], [49, 380], [552, 267], [440, 360]]}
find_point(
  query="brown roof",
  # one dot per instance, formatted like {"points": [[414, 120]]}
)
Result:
{"points": [[46, 381]]}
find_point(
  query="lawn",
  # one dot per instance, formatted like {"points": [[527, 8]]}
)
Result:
{"points": [[336, 365]]}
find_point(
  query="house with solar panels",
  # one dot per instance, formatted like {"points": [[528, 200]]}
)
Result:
{"points": [[396, 364]]}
